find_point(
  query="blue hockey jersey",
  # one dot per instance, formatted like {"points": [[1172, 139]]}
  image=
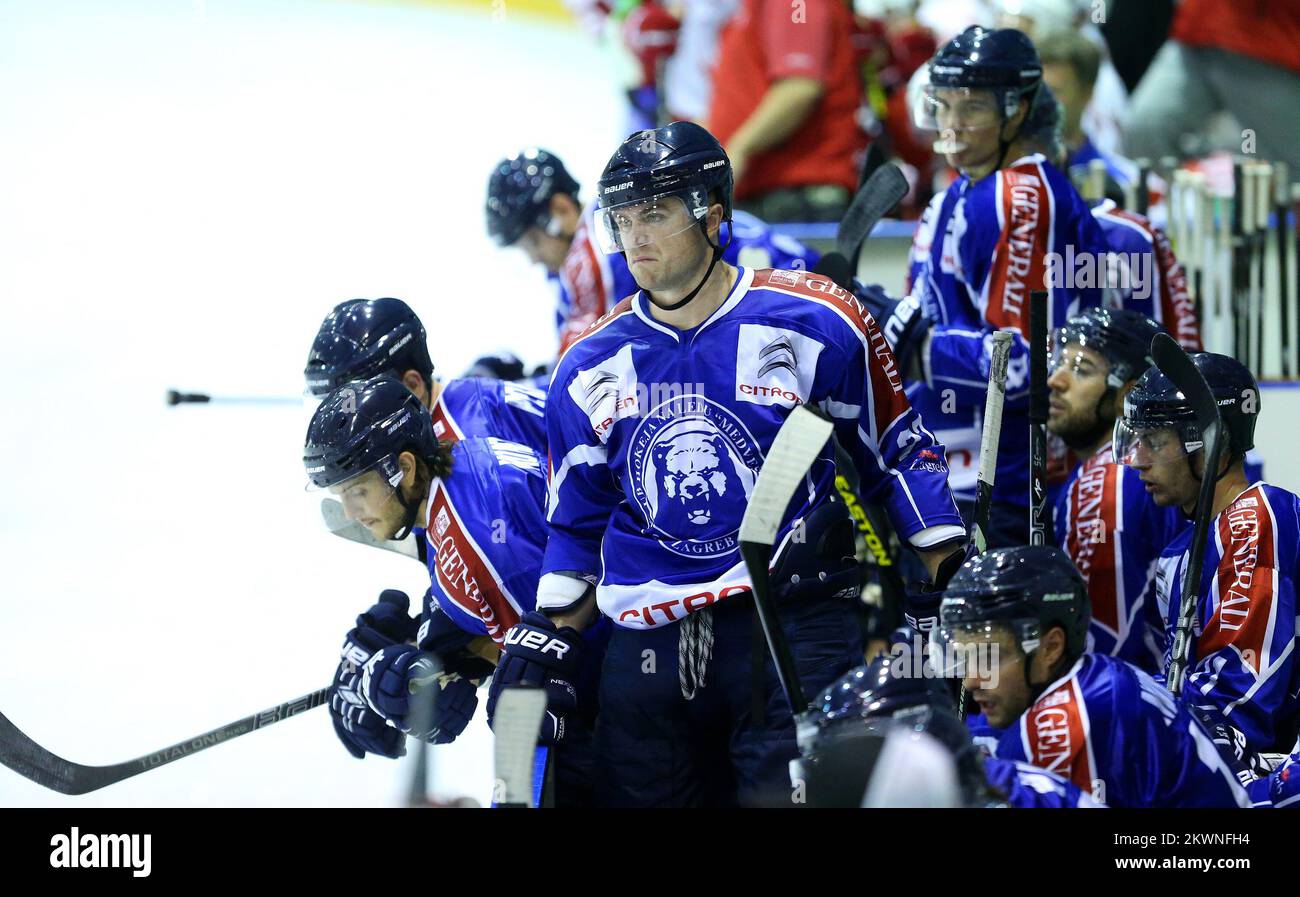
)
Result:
{"points": [[590, 283], [1112, 530], [1144, 275], [657, 436], [479, 406], [979, 251], [1244, 662], [1116, 733], [1030, 787], [486, 532]]}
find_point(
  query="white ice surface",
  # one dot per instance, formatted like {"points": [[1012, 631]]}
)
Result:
{"points": [[186, 188]]}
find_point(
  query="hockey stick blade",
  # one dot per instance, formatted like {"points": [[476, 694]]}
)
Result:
{"points": [[884, 190], [1177, 365], [27, 758], [792, 453], [515, 727]]}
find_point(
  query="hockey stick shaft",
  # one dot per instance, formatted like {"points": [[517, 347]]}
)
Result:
{"points": [[1040, 512], [797, 445], [1178, 367], [27, 758], [999, 355], [202, 398]]}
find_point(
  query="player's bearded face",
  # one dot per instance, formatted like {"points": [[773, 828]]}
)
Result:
{"points": [[1078, 385], [370, 501], [1001, 691]]}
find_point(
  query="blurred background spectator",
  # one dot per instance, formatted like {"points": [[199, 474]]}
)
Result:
{"points": [[1070, 66], [1240, 57], [785, 98]]}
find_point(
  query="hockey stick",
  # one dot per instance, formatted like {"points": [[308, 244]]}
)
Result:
{"points": [[515, 753], [201, 398], [999, 355], [1175, 364], [27, 758], [885, 189], [1040, 512], [796, 447]]}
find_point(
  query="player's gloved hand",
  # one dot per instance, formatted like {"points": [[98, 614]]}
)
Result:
{"points": [[360, 729], [921, 603], [540, 655], [902, 321], [395, 674]]}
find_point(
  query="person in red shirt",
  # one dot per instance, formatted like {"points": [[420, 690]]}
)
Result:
{"points": [[1242, 58], [785, 95]]}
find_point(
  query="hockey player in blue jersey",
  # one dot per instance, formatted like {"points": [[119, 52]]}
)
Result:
{"points": [[659, 418], [1242, 673], [1105, 520], [364, 338], [533, 204], [1013, 623], [481, 503], [982, 246], [900, 691]]}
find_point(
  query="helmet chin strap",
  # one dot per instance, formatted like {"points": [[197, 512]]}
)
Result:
{"points": [[410, 509], [717, 256]]}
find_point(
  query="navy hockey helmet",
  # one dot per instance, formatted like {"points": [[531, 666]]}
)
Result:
{"points": [[1120, 335], [520, 190], [364, 425], [362, 338], [1155, 405], [1002, 60], [1028, 589], [681, 159], [998, 58], [891, 693], [498, 366]]}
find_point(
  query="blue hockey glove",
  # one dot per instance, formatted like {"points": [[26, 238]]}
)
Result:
{"points": [[393, 675], [902, 321], [539, 655], [360, 729]]}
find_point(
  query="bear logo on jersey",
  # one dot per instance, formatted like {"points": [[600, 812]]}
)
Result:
{"points": [[692, 467]]}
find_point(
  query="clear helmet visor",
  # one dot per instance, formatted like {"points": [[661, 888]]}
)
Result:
{"points": [[958, 113], [1079, 361], [366, 503], [1146, 444], [624, 227], [977, 650]]}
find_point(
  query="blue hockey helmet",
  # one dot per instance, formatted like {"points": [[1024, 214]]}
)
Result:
{"points": [[680, 160], [362, 338], [1027, 589], [894, 692], [1001, 60], [1122, 336], [1154, 407], [520, 190]]}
